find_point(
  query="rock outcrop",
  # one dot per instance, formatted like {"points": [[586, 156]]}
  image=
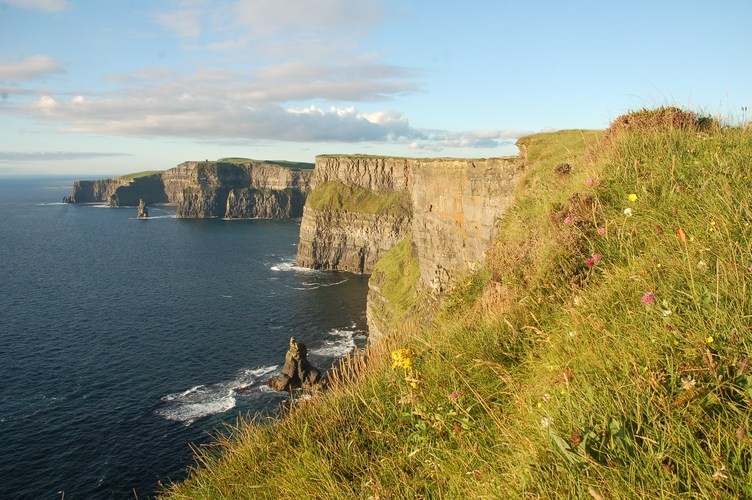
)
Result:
{"points": [[297, 372], [250, 189]]}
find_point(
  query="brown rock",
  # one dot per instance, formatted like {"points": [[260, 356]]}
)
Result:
{"points": [[297, 372]]}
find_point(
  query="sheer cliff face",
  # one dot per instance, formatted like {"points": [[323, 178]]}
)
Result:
{"points": [[453, 204], [209, 189], [100, 191], [348, 241], [250, 190]]}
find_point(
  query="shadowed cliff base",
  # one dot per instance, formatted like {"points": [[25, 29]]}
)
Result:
{"points": [[601, 350]]}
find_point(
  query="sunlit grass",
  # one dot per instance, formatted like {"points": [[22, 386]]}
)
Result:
{"points": [[551, 372]]}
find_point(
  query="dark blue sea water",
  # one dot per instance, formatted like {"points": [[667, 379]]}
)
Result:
{"points": [[123, 342]]}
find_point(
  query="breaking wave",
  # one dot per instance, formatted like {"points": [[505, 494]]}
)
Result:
{"points": [[339, 343], [204, 400]]}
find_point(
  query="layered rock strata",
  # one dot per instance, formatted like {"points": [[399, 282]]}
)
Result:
{"points": [[209, 189]]}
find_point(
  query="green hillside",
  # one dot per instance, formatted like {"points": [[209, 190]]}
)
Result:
{"points": [[601, 352]]}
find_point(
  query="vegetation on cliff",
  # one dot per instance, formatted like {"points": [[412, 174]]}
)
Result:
{"points": [[336, 196], [601, 351]]}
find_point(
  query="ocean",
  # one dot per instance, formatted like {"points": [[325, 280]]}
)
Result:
{"points": [[125, 342]]}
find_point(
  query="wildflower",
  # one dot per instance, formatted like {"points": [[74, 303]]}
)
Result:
{"points": [[632, 197], [590, 262], [702, 265], [539, 405], [720, 475], [688, 383], [453, 395], [648, 298], [602, 231], [568, 220], [546, 422], [628, 212], [709, 340], [589, 181], [402, 358]]}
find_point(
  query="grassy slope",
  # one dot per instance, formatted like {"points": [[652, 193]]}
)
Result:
{"points": [[541, 375]]}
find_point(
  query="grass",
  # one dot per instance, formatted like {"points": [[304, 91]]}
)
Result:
{"points": [[280, 163], [138, 175], [600, 352], [335, 196]]}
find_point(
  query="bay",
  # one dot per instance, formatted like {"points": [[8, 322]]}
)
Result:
{"points": [[126, 341]]}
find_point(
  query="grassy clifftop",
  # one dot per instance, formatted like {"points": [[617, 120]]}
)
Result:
{"points": [[602, 351]]}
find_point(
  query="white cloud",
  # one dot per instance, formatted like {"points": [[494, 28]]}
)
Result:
{"points": [[437, 140], [197, 115], [184, 18], [43, 5], [310, 29], [31, 68]]}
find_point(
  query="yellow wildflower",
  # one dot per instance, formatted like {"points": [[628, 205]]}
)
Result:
{"points": [[632, 197], [709, 340], [402, 358]]}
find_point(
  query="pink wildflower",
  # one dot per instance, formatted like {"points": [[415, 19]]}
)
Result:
{"points": [[648, 298], [568, 220], [589, 181], [602, 231], [453, 395], [593, 260]]}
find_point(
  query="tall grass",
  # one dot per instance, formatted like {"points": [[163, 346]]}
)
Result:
{"points": [[602, 352]]}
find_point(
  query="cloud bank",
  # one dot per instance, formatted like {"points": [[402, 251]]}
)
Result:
{"points": [[287, 71]]}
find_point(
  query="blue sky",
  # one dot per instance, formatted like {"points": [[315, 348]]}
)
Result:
{"points": [[105, 88]]}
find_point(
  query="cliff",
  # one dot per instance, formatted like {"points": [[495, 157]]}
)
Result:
{"points": [[235, 188], [362, 206]]}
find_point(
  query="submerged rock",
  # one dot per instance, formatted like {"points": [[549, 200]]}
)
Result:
{"points": [[297, 372]]}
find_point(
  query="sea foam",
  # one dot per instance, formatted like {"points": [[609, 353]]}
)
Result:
{"points": [[205, 400]]}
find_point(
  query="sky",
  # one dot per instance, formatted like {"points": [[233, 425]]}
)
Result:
{"points": [[99, 89]]}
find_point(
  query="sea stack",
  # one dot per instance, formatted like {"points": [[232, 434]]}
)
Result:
{"points": [[143, 212], [297, 372]]}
